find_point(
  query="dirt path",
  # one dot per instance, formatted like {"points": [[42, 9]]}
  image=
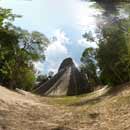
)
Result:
{"points": [[30, 112]]}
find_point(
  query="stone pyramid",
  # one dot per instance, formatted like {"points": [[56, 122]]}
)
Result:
{"points": [[67, 82]]}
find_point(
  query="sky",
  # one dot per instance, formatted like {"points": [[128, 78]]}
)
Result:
{"points": [[66, 20]]}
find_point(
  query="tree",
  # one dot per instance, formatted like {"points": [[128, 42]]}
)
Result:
{"points": [[89, 65], [42, 78], [50, 74], [6, 17], [111, 54], [19, 49]]}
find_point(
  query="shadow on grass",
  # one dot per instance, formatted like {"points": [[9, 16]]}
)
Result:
{"points": [[61, 128]]}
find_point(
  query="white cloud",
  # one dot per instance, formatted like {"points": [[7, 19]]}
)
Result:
{"points": [[61, 36], [39, 66], [86, 16], [56, 51]]}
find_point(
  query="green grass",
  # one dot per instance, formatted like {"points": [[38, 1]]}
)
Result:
{"points": [[70, 100]]}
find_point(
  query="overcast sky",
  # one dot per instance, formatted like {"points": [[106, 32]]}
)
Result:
{"points": [[65, 19]]}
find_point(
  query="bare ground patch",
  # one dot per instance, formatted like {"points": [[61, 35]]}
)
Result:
{"points": [[31, 112]]}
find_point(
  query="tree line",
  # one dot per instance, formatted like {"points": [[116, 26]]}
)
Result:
{"points": [[109, 63]]}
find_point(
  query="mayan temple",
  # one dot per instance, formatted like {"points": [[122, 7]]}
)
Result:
{"points": [[67, 82]]}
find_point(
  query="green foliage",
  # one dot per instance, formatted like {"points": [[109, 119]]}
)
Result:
{"points": [[112, 55], [42, 78], [33, 43], [113, 52], [18, 50], [89, 36], [89, 66], [6, 17], [25, 79]]}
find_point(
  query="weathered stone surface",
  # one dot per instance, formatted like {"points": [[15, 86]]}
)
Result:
{"points": [[68, 62], [68, 81]]}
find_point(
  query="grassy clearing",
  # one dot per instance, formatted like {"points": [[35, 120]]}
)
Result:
{"points": [[71, 100]]}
